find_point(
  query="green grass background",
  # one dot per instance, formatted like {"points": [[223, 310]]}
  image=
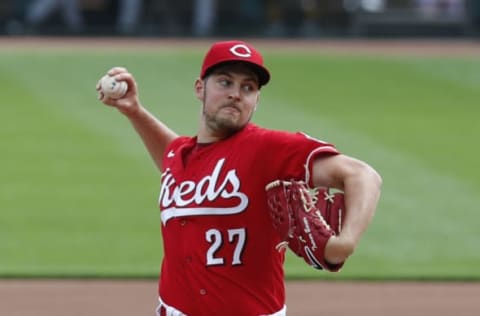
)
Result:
{"points": [[79, 193]]}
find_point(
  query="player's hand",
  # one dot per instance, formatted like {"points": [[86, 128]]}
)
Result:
{"points": [[338, 249], [129, 104]]}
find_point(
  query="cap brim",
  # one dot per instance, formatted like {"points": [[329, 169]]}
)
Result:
{"points": [[261, 72]]}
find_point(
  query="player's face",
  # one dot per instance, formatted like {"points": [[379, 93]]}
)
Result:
{"points": [[229, 95]]}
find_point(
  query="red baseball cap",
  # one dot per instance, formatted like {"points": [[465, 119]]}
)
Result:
{"points": [[229, 51]]}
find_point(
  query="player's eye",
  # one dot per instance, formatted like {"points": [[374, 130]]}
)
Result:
{"points": [[249, 87], [224, 82]]}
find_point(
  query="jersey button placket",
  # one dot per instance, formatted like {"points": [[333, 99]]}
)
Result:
{"points": [[183, 222], [203, 292]]}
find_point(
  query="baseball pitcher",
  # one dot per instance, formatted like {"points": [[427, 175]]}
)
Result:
{"points": [[236, 196]]}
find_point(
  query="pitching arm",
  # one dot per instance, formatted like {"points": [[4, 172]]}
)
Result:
{"points": [[155, 135], [361, 185]]}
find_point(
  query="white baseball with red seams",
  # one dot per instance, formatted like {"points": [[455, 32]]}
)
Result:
{"points": [[112, 88]]}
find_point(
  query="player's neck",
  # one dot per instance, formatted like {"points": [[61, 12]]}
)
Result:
{"points": [[204, 136], [207, 135]]}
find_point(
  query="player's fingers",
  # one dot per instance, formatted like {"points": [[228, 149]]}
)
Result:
{"points": [[124, 76], [107, 101], [129, 79], [116, 70], [100, 95]]}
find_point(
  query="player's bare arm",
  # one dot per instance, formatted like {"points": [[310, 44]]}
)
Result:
{"points": [[361, 185], [155, 135]]}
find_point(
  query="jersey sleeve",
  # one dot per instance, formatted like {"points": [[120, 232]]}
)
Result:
{"points": [[287, 155], [174, 148]]}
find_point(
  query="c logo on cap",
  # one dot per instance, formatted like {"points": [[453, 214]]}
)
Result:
{"points": [[241, 50]]}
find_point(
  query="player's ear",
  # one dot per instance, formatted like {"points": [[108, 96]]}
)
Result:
{"points": [[258, 100], [199, 88]]}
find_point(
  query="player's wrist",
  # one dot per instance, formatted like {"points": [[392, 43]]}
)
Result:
{"points": [[338, 249], [132, 110]]}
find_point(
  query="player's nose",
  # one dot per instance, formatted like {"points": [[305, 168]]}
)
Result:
{"points": [[234, 93]]}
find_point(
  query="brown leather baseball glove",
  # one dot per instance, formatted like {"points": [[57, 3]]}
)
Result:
{"points": [[305, 219]]}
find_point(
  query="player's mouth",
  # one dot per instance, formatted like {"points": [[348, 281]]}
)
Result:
{"points": [[230, 108]]}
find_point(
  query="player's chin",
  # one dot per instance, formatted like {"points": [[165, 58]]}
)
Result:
{"points": [[230, 125], [229, 119]]}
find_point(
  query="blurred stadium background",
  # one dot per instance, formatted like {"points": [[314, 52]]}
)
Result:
{"points": [[257, 18], [64, 155]]}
